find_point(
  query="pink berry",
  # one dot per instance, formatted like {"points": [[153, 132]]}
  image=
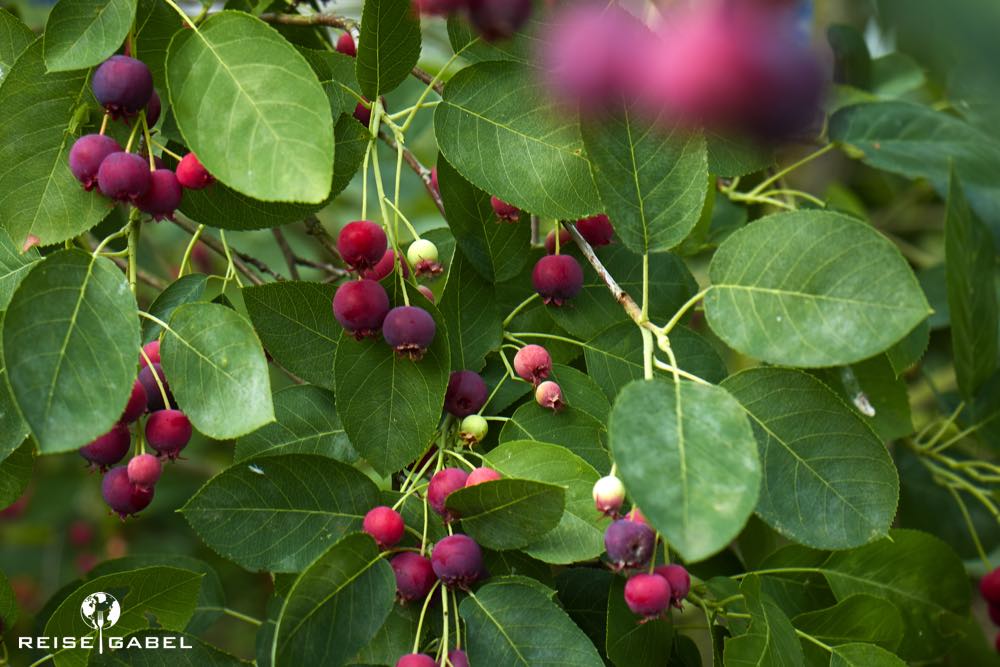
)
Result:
{"points": [[629, 544], [989, 586], [565, 242], [596, 230], [361, 244], [647, 594], [361, 306], [363, 112], [191, 174], [121, 495], [152, 350], [136, 405], [438, 7], [557, 278], [458, 658], [346, 45], [86, 156], [635, 514], [532, 363], [679, 579], [427, 292], [409, 330], [480, 475], [505, 211], [549, 395], [168, 432], [457, 561], [414, 576], [108, 449], [144, 471], [466, 393], [163, 196], [385, 525], [442, 484], [122, 85], [124, 177], [416, 660]]}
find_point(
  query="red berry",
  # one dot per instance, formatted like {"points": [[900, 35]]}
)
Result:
{"points": [[154, 398], [480, 475], [629, 544], [565, 241], [409, 330], [152, 350], [121, 495], [414, 576], [557, 278], [363, 112], [345, 44], [498, 19], [80, 533], [647, 594], [442, 484], [153, 109], [416, 660], [163, 196], [168, 432], [362, 244], [122, 85], [994, 611], [384, 267], [549, 395], [466, 393], [457, 561], [361, 306], [989, 586], [86, 156], [191, 174], [679, 580], [123, 177], [108, 449], [596, 230], [136, 404], [144, 471], [533, 363], [458, 658], [505, 211], [385, 525], [439, 7]]}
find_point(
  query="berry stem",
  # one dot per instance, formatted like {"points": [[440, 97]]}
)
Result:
{"points": [[131, 138], [149, 140], [231, 268], [492, 394], [395, 193], [763, 185], [108, 239], [403, 498], [169, 152], [104, 123], [423, 613], [510, 369], [521, 306], [190, 248], [461, 458], [458, 627], [973, 533], [243, 617], [668, 327], [364, 179], [184, 16], [647, 354], [156, 376], [443, 648], [431, 86], [406, 221], [133, 247]]}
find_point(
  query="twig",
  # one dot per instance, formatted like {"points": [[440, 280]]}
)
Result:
{"points": [[315, 228], [122, 263], [632, 309], [335, 271], [423, 172], [240, 260], [286, 251]]}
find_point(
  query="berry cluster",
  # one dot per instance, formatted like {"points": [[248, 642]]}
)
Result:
{"points": [[124, 87], [129, 489], [533, 363]]}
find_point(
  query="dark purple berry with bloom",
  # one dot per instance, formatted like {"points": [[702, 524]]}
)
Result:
{"points": [[86, 156], [466, 393], [629, 543], [121, 495], [361, 306], [124, 177], [414, 576], [362, 244], [144, 471], [557, 278], [168, 432], [457, 561], [409, 330], [647, 595], [163, 196], [443, 484], [109, 448], [122, 85]]}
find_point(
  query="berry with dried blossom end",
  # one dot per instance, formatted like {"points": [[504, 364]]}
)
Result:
{"points": [[506, 212], [596, 230], [609, 494], [423, 257], [360, 306], [414, 576], [480, 475], [168, 432], [533, 363], [191, 173], [679, 579], [86, 156], [557, 279], [466, 394], [109, 448], [647, 595], [385, 525], [473, 429], [565, 241], [457, 561], [346, 45], [123, 177], [121, 495], [628, 543], [549, 395], [445, 482], [362, 244], [144, 471], [409, 330]]}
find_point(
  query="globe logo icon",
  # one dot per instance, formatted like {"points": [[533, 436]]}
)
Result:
{"points": [[100, 611]]}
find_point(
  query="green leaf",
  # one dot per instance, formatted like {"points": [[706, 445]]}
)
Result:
{"points": [[972, 296], [70, 340], [38, 193], [389, 405], [586, 395], [630, 642], [829, 482], [16, 38], [82, 33], [160, 597], [306, 423], [905, 354], [583, 593], [537, 155], [574, 429], [730, 157], [861, 618], [469, 307], [214, 362], [196, 652], [186, 289], [389, 45], [873, 380], [508, 513], [393, 639], [512, 624], [653, 181], [155, 25], [295, 322], [811, 288], [8, 605], [336, 605], [14, 266], [863, 655], [522, 47], [284, 151], [579, 535], [15, 473], [335, 72], [687, 455], [770, 639]]}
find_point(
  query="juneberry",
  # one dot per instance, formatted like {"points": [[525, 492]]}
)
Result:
{"points": [[506, 212], [384, 267], [473, 429], [414, 576], [168, 432], [565, 241], [151, 350], [628, 543], [458, 658], [427, 292], [144, 471], [609, 494], [647, 595], [385, 525], [635, 514], [363, 112], [346, 45], [416, 660], [498, 19], [423, 257], [557, 278], [154, 398], [989, 586], [109, 448], [361, 306], [86, 156], [532, 363], [457, 561], [549, 395], [443, 484], [80, 533], [121, 495], [122, 85], [679, 579], [596, 230], [362, 244], [466, 393], [136, 405], [439, 7], [153, 109], [409, 330], [191, 173], [480, 475], [124, 176], [163, 196]]}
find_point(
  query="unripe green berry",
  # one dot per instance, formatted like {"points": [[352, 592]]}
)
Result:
{"points": [[421, 250], [472, 430]]}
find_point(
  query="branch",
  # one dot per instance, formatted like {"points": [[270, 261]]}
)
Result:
{"points": [[423, 172], [315, 228], [144, 276], [286, 252], [240, 259], [632, 309]]}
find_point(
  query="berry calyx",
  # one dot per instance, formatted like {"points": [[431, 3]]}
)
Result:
{"points": [[414, 576], [549, 395], [109, 448], [679, 579], [136, 405], [154, 398], [647, 594], [457, 561], [596, 230], [533, 363], [144, 471], [423, 257], [557, 278], [361, 306], [409, 330], [346, 45], [505, 212], [361, 244], [385, 525], [458, 658], [123, 177], [168, 432], [989, 586], [480, 475], [609, 494], [122, 85], [86, 156], [498, 19], [163, 196], [443, 484], [466, 393], [565, 241], [628, 543], [416, 660], [121, 495], [191, 173], [473, 429]]}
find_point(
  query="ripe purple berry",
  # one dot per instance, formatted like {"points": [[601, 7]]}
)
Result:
{"points": [[123, 177], [362, 244], [532, 363], [144, 471], [647, 594], [457, 561], [498, 19], [168, 432], [163, 196], [121, 495], [416, 660], [109, 448], [565, 241], [136, 405], [154, 399], [153, 108], [549, 395], [506, 212], [442, 484], [414, 576], [361, 306], [191, 174], [557, 278], [597, 230], [86, 156], [679, 579], [385, 525], [989, 586], [629, 543], [458, 658], [480, 475], [122, 85], [410, 330], [466, 393], [345, 45]]}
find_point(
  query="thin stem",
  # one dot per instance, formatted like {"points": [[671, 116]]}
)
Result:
{"points": [[796, 193], [405, 220], [452, 453], [184, 16], [683, 309], [117, 235], [404, 112], [528, 334], [286, 251], [42, 659], [190, 248], [149, 141], [169, 152], [240, 260], [430, 86], [632, 309], [971, 527], [645, 286], [131, 137], [133, 249], [763, 185], [492, 394], [458, 628], [402, 500], [243, 617], [678, 371], [521, 306], [647, 354], [423, 613], [104, 122], [364, 179], [229, 258], [944, 426], [444, 622]]}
